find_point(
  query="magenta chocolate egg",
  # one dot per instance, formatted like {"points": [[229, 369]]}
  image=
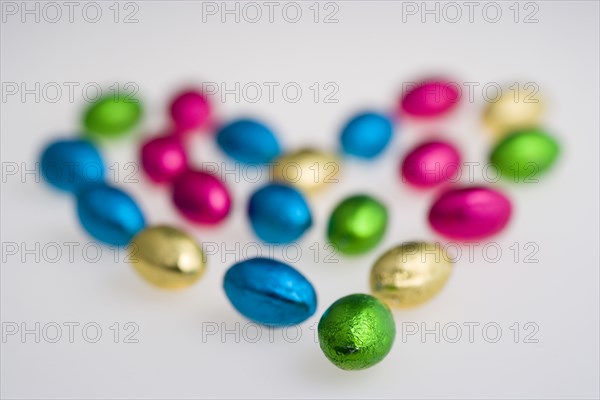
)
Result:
{"points": [[201, 197], [190, 110], [163, 158], [430, 164], [430, 98], [470, 213]]}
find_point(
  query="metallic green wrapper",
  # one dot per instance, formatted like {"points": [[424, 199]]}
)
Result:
{"points": [[356, 332]]}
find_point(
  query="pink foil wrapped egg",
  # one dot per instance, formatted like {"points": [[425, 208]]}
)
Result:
{"points": [[430, 99], [163, 158], [430, 164], [201, 197], [470, 213], [190, 110]]}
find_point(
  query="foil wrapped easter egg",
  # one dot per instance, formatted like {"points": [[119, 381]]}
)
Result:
{"points": [[366, 135], [525, 155], [430, 164], [430, 98], [279, 213], [163, 158], [248, 141], [112, 116], [201, 197], [270, 292], [470, 213], [166, 257], [308, 170], [109, 215], [190, 109], [357, 224], [410, 274], [514, 110], [356, 332], [72, 165]]}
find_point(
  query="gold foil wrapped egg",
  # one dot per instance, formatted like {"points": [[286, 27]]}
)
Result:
{"points": [[308, 170], [517, 108], [410, 274], [167, 257]]}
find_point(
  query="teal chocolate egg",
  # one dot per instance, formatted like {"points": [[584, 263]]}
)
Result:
{"points": [[248, 141], [109, 214], [366, 135], [270, 292], [72, 165], [279, 213]]}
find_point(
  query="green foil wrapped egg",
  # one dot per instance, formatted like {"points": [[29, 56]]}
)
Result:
{"points": [[524, 155], [112, 116], [356, 332], [357, 224]]}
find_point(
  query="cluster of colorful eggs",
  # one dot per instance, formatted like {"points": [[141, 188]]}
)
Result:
{"points": [[358, 330]]}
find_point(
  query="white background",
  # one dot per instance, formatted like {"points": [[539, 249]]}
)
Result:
{"points": [[372, 49]]}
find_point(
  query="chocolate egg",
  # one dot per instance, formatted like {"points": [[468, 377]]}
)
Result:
{"points": [[514, 110], [470, 213], [410, 274], [166, 257], [430, 164], [279, 213], [525, 155], [356, 332], [430, 98], [201, 197], [112, 115], [248, 141], [72, 165], [109, 214], [307, 169], [357, 224], [270, 292], [366, 135]]}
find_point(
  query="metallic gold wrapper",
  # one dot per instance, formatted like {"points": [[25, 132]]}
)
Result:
{"points": [[516, 109], [307, 169], [410, 274], [167, 257]]}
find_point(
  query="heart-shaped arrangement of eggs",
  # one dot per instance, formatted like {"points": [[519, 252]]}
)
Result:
{"points": [[358, 330]]}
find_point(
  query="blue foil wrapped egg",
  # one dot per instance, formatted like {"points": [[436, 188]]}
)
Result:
{"points": [[72, 165], [109, 215], [366, 135], [270, 292], [248, 141], [279, 213]]}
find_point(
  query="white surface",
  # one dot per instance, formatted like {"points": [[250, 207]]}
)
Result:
{"points": [[368, 54]]}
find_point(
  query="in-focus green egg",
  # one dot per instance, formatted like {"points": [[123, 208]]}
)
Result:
{"points": [[112, 116], [357, 224], [356, 332], [524, 155]]}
